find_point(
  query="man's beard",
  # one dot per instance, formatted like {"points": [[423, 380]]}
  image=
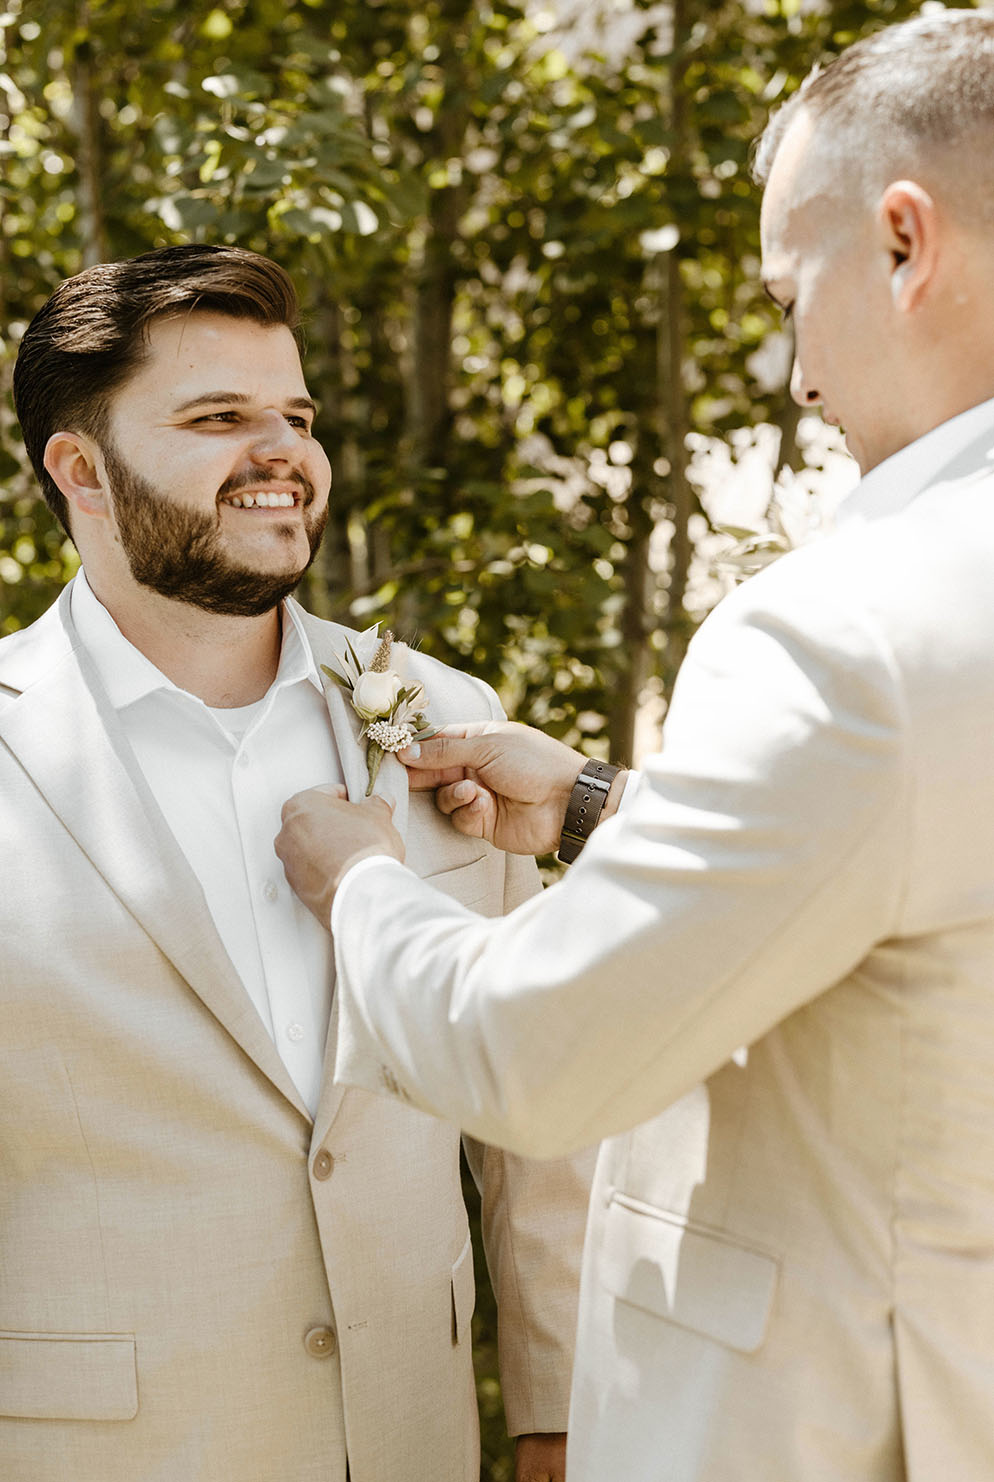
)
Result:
{"points": [[177, 551]]}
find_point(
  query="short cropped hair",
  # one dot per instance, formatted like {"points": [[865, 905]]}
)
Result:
{"points": [[92, 334], [923, 86]]}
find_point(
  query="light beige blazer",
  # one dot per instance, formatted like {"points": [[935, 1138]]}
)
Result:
{"points": [[778, 967], [197, 1284]]}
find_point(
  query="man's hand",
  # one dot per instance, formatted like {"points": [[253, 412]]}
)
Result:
{"points": [[323, 836], [540, 1458], [498, 781], [501, 782]]}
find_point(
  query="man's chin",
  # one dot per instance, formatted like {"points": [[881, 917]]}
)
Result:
{"points": [[856, 453], [235, 592]]}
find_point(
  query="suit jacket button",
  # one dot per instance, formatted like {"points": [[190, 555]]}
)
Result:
{"points": [[323, 1164], [320, 1342]]}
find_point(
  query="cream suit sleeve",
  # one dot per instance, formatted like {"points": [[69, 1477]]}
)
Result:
{"points": [[534, 1214], [760, 859]]}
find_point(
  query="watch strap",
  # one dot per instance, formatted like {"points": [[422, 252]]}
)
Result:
{"points": [[583, 810]]}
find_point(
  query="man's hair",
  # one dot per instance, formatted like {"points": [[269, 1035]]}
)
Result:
{"points": [[922, 88], [92, 334]]}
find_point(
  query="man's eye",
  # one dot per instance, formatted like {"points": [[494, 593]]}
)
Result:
{"points": [[299, 422], [224, 417]]}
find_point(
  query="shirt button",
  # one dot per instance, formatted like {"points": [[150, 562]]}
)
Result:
{"points": [[323, 1165], [295, 1032], [320, 1342], [243, 759], [271, 890]]}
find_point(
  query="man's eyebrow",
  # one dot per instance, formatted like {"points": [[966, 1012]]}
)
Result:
{"points": [[239, 399]]}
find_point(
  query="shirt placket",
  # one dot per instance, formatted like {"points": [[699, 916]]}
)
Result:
{"points": [[291, 1006]]}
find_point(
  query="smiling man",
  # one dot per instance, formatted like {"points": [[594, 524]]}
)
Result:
{"points": [[214, 1263], [769, 977]]}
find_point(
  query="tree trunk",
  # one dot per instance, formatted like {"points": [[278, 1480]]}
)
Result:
{"points": [[640, 586], [664, 427], [674, 417], [429, 372], [674, 425], [85, 122], [328, 585]]}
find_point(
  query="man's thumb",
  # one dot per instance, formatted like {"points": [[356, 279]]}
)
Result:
{"points": [[439, 754]]}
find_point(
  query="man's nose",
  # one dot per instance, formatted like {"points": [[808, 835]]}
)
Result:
{"points": [[275, 441], [803, 394]]}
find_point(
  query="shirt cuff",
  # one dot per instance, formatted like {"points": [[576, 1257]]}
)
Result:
{"points": [[629, 788]]}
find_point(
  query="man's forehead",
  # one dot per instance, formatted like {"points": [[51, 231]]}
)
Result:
{"points": [[805, 197], [178, 334], [193, 349]]}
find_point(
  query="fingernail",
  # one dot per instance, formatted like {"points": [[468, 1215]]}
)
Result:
{"points": [[412, 752]]}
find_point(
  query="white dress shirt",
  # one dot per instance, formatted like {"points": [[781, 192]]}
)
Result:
{"points": [[900, 478], [221, 778]]}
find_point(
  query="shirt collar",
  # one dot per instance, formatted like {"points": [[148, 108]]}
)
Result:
{"points": [[894, 483], [296, 658], [128, 676]]}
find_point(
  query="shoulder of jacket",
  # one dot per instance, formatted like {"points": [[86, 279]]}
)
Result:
{"points": [[472, 698], [28, 652], [451, 686]]}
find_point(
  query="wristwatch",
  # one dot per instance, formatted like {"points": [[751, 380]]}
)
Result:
{"points": [[588, 797]]}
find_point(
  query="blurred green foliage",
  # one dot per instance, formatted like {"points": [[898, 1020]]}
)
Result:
{"points": [[527, 245]]}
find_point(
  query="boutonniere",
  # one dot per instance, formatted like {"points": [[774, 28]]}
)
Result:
{"points": [[392, 713]]}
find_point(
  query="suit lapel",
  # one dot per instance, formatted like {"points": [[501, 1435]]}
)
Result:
{"points": [[94, 786], [327, 642]]}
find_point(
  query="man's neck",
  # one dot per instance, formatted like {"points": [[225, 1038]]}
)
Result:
{"points": [[226, 661]]}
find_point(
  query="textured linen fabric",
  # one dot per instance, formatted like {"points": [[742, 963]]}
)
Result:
{"points": [[770, 982], [198, 1279]]}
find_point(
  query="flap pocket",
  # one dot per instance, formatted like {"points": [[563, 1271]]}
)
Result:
{"points": [[463, 1293], [68, 1376], [690, 1275], [470, 883]]}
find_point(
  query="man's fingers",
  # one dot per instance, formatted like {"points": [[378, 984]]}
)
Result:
{"points": [[421, 780], [299, 799], [450, 752], [461, 794], [470, 807], [377, 803]]}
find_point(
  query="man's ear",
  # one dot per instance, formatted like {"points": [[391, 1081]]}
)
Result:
{"points": [[908, 224], [73, 461]]}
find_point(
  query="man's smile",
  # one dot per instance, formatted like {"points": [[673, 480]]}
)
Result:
{"points": [[263, 499]]}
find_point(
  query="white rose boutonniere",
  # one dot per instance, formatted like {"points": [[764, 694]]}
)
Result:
{"points": [[392, 713], [374, 695]]}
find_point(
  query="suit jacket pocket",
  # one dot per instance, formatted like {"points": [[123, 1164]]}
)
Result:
{"points": [[698, 1278], [463, 1293], [476, 884], [68, 1376]]}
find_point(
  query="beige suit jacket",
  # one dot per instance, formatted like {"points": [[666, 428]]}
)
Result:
{"points": [[778, 967], [197, 1283]]}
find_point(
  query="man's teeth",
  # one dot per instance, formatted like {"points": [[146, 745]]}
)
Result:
{"points": [[263, 500]]}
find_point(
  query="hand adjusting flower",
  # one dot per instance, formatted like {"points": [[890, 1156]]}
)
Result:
{"points": [[392, 713]]}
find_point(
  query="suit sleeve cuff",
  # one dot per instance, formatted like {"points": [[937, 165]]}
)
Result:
{"points": [[371, 862]]}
